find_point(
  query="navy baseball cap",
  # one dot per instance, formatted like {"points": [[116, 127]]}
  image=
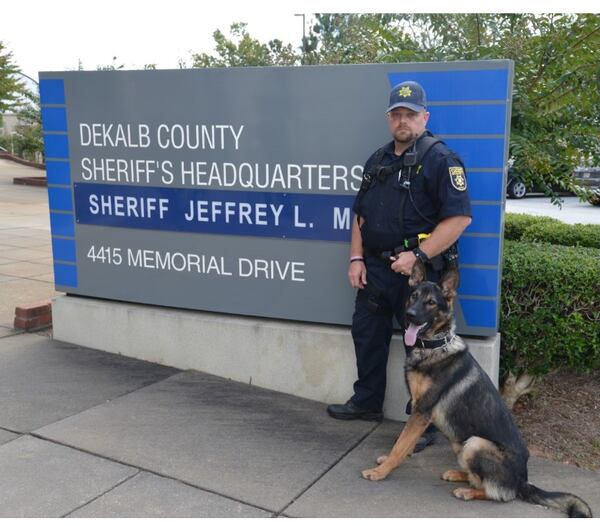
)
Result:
{"points": [[409, 95]]}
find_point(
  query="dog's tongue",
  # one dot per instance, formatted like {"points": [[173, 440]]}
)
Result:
{"points": [[410, 335]]}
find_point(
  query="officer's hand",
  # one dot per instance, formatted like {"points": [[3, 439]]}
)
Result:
{"points": [[403, 263], [357, 274]]}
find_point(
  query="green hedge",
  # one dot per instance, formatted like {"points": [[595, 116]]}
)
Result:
{"points": [[516, 224], [550, 313], [545, 229]]}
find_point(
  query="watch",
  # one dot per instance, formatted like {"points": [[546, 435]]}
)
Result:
{"points": [[421, 255]]}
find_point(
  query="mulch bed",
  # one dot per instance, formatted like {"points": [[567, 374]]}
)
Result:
{"points": [[560, 420]]}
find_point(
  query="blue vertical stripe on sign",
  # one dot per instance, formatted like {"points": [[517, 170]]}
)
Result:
{"points": [[485, 186], [64, 249], [52, 91], [479, 153], [56, 146], [479, 250], [486, 219], [65, 275], [62, 225], [479, 313], [60, 199], [58, 172], [478, 282], [54, 119]]}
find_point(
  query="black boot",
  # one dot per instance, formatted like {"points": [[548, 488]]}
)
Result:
{"points": [[350, 411]]}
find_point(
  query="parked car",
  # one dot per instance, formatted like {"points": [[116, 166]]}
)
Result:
{"points": [[515, 187], [590, 179]]}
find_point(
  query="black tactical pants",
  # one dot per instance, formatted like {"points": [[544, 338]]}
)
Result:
{"points": [[372, 326]]}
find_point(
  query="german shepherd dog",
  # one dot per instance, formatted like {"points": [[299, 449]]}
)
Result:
{"points": [[450, 389]]}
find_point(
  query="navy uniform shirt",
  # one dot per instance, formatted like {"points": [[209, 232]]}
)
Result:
{"points": [[438, 191]]}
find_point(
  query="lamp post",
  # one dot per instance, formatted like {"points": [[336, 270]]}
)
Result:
{"points": [[28, 77]]}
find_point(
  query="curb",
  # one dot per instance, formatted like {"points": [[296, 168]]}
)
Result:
{"points": [[14, 158], [33, 316], [31, 181]]}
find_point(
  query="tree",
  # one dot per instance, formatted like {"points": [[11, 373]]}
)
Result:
{"points": [[29, 129], [14, 96], [354, 39], [11, 88], [113, 66], [243, 50], [26, 141]]}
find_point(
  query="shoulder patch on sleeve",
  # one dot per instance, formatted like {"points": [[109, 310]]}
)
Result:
{"points": [[457, 178]]}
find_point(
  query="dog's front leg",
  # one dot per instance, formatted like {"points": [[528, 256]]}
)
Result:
{"points": [[403, 447]]}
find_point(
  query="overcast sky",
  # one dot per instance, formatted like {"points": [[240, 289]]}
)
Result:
{"points": [[54, 35]]}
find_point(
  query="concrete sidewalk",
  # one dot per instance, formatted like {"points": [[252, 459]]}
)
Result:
{"points": [[89, 434], [26, 274]]}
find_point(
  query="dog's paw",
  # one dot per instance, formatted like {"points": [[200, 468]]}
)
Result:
{"points": [[381, 459], [374, 474], [455, 476], [464, 493]]}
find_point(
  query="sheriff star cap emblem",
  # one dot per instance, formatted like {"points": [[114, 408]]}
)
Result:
{"points": [[409, 95], [405, 91]]}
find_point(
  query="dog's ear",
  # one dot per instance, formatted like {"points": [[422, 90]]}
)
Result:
{"points": [[449, 283], [418, 273]]}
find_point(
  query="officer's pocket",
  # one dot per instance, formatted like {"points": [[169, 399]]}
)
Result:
{"points": [[370, 301]]}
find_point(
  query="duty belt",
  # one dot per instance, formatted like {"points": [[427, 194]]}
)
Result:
{"points": [[409, 244]]}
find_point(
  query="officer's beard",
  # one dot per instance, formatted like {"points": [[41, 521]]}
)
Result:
{"points": [[405, 137]]}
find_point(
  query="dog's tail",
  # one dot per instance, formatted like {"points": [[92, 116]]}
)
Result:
{"points": [[568, 503]]}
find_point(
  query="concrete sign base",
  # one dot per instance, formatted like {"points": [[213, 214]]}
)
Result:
{"points": [[308, 360]]}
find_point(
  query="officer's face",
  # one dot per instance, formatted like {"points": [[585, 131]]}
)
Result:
{"points": [[406, 125]]}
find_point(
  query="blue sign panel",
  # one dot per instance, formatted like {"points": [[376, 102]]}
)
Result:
{"points": [[470, 111], [264, 214], [58, 171], [454, 84]]}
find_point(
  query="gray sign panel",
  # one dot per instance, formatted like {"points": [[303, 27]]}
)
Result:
{"points": [[230, 190]]}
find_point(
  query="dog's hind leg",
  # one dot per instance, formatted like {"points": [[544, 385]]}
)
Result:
{"points": [[470, 494], [488, 471], [455, 476]]}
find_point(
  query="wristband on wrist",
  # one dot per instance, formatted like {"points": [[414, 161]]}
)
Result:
{"points": [[421, 255], [356, 258]]}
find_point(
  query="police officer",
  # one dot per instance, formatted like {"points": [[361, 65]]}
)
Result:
{"points": [[413, 203]]}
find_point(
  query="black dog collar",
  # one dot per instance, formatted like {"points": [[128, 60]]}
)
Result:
{"points": [[434, 344]]}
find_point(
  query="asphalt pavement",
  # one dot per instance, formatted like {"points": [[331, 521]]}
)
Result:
{"points": [[90, 434], [571, 210]]}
